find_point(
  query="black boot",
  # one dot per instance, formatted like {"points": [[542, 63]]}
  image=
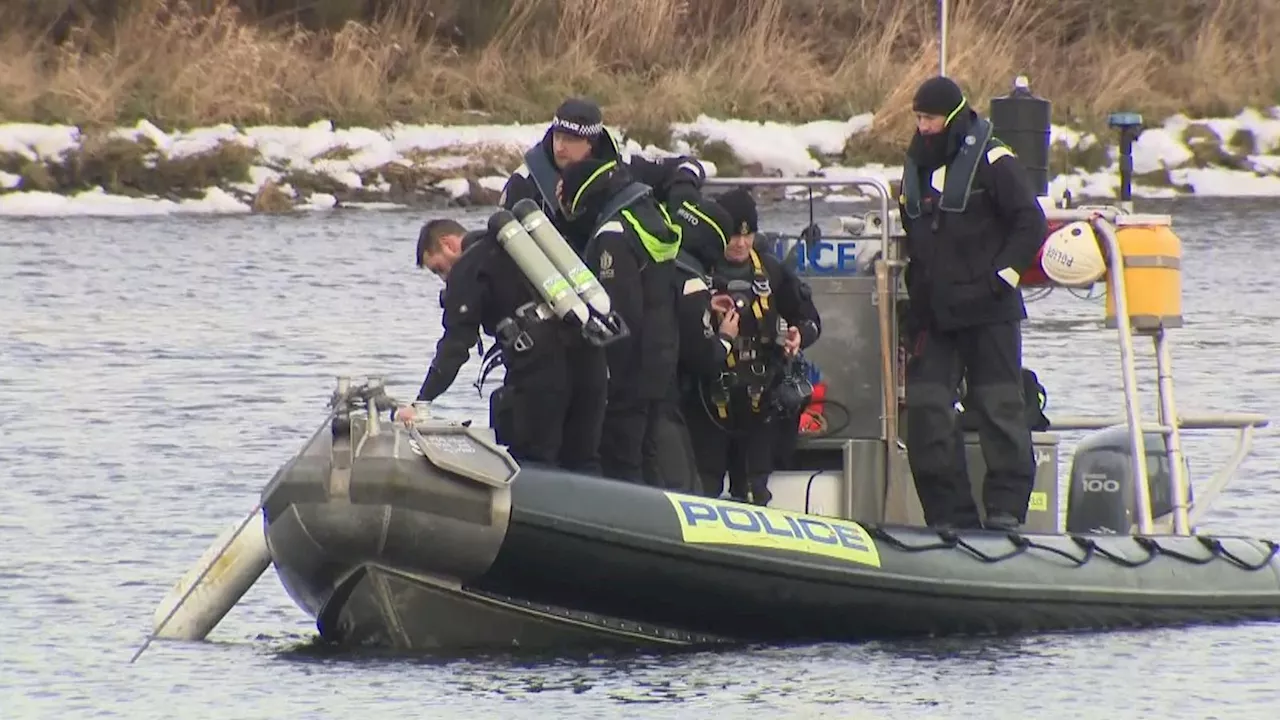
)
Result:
{"points": [[1002, 521], [761, 496]]}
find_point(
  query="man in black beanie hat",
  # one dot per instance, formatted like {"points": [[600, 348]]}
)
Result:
{"points": [[973, 226], [576, 133]]}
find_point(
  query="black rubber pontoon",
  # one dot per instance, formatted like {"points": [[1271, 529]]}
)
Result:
{"points": [[434, 539]]}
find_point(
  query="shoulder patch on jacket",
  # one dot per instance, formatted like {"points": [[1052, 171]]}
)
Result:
{"points": [[611, 226], [522, 171], [998, 152], [694, 285]]}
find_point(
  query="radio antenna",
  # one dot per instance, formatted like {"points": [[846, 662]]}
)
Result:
{"points": [[942, 37]]}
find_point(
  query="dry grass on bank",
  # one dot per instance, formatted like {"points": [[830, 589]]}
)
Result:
{"points": [[649, 62]]}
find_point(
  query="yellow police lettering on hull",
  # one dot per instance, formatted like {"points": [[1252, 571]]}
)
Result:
{"points": [[717, 522]]}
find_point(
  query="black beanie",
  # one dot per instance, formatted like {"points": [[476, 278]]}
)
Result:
{"points": [[938, 96], [578, 116], [741, 207]]}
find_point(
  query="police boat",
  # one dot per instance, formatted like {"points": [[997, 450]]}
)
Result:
{"points": [[432, 537]]}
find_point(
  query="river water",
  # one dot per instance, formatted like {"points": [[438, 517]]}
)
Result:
{"points": [[155, 372]]}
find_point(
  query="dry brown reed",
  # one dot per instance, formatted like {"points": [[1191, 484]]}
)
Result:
{"points": [[648, 62]]}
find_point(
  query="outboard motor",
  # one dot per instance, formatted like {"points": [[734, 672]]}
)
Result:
{"points": [[1021, 120], [1100, 498]]}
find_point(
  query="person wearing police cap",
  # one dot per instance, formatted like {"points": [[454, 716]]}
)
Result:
{"points": [[736, 416], [632, 247], [577, 132], [973, 226]]}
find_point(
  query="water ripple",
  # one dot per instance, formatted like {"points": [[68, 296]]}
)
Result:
{"points": [[154, 373]]}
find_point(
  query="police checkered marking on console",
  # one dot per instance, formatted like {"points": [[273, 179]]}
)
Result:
{"points": [[717, 522]]}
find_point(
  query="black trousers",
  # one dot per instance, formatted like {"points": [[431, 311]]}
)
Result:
{"points": [[552, 412], [989, 358], [668, 459], [743, 445], [626, 420]]}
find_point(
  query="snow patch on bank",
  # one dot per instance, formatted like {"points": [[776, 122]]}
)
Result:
{"points": [[345, 156]]}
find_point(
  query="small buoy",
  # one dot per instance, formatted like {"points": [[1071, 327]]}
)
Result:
{"points": [[1071, 256], [234, 562]]}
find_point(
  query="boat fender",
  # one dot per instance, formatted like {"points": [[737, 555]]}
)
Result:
{"points": [[230, 566]]}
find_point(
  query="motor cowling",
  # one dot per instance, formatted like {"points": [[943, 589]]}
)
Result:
{"points": [[1100, 497]]}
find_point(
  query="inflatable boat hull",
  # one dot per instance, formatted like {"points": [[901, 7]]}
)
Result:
{"points": [[424, 541]]}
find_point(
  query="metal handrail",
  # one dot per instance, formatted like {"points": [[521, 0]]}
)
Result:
{"points": [[1104, 219], [1217, 421], [882, 191]]}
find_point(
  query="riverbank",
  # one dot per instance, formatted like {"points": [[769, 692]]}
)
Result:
{"points": [[64, 170], [375, 63]]}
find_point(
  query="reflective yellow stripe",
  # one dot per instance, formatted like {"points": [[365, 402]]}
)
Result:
{"points": [[573, 206], [674, 227], [658, 250], [761, 304], [711, 223]]}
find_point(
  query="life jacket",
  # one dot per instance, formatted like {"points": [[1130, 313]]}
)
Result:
{"points": [[618, 210], [957, 175]]}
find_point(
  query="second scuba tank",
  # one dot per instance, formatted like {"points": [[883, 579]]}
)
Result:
{"points": [[558, 251], [551, 285]]}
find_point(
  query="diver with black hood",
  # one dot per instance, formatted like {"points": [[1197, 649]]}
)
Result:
{"points": [[576, 133], [632, 249], [973, 226]]}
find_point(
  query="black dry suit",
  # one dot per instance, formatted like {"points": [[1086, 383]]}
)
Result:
{"points": [[733, 416], [550, 405], [631, 251], [973, 225], [670, 178]]}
